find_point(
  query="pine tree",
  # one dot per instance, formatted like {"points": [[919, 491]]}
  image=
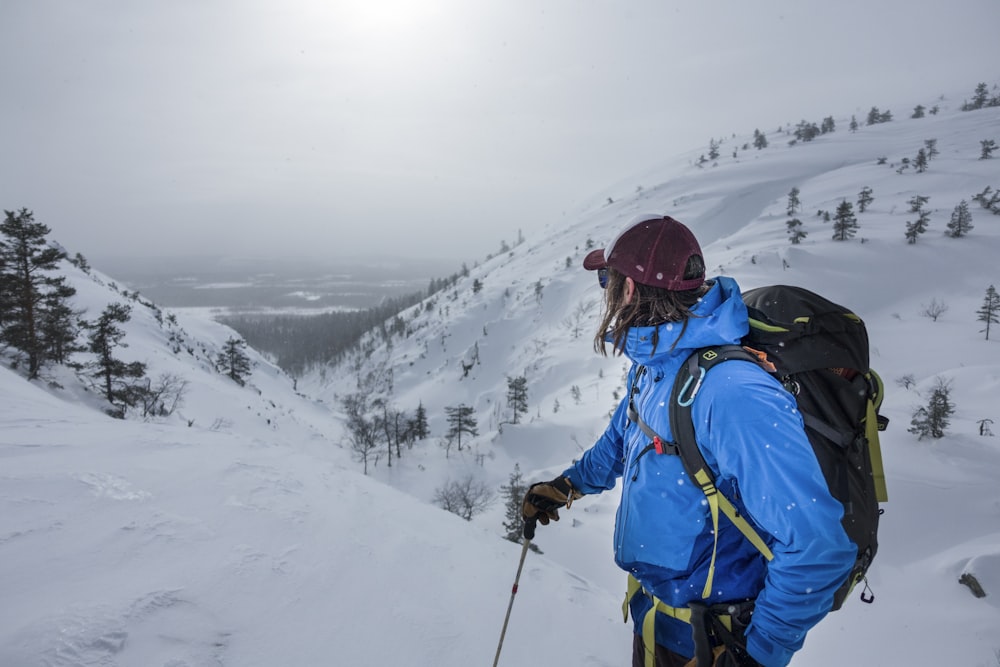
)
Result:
{"points": [[917, 227], [865, 198], [759, 140], [920, 162], [806, 131], [794, 204], [854, 124], [961, 221], [981, 96], [27, 292], [845, 223], [990, 310], [918, 111], [517, 396], [59, 325], [988, 145], [233, 361], [933, 419], [917, 202], [827, 125], [795, 231], [112, 373], [931, 146], [985, 199], [513, 494], [873, 116], [461, 420], [713, 149], [418, 426]]}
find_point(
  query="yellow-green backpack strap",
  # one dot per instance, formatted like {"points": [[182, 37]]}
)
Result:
{"points": [[633, 587], [648, 632], [873, 424], [712, 495], [686, 385], [875, 453], [748, 532]]}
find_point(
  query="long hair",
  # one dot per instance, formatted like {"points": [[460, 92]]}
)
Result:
{"points": [[649, 306]]}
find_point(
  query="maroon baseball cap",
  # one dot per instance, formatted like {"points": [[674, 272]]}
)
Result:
{"points": [[652, 250]]}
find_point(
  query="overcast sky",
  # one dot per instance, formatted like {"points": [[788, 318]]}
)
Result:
{"points": [[420, 127]]}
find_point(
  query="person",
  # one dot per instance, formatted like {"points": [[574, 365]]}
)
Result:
{"points": [[658, 308]]}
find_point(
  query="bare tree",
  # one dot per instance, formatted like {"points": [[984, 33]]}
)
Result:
{"points": [[577, 321], [162, 398], [934, 309], [466, 498], [362, 431]]}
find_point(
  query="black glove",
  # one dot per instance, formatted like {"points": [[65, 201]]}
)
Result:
{"points": [[543, 500]]}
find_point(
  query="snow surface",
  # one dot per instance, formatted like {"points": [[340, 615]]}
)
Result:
{"points": [[241, 531]]}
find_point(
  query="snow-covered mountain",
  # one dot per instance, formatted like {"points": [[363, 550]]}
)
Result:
{"points": [[241, 531]]}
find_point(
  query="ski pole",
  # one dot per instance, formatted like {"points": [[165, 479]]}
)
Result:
{"points": [[529, 532]]}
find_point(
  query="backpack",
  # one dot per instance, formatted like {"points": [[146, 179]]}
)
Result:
{"points": [[818, 350]]}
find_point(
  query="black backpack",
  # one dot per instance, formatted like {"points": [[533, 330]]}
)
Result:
{"points": [[819, 352]]}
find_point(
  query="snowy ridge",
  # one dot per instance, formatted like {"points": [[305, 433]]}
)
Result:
{"points": [[242, 532]]}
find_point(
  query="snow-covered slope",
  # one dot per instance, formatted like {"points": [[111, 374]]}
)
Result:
{"points": [[241, 531], [536, 313]]}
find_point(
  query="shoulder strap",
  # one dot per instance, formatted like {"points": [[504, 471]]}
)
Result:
{"points": [[687, 384]]}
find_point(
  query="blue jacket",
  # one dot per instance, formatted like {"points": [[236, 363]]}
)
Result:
{"points": [[751, 435]]}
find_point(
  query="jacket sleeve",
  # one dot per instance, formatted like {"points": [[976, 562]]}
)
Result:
{"points": [[601, 465], [751, 432]]}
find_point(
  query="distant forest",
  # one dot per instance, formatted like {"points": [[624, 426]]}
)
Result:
{"points": [[298, 342]]}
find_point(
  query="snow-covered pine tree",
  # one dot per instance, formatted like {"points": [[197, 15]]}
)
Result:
{"points": [[961, 221]]}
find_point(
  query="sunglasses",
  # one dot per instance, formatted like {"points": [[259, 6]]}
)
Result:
{"points": [[602, 277]]}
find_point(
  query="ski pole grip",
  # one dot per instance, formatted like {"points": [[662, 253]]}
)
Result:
{"points": [[529, 528]]}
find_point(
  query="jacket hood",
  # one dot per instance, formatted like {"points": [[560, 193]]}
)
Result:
{"points": [[720, 319]]}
